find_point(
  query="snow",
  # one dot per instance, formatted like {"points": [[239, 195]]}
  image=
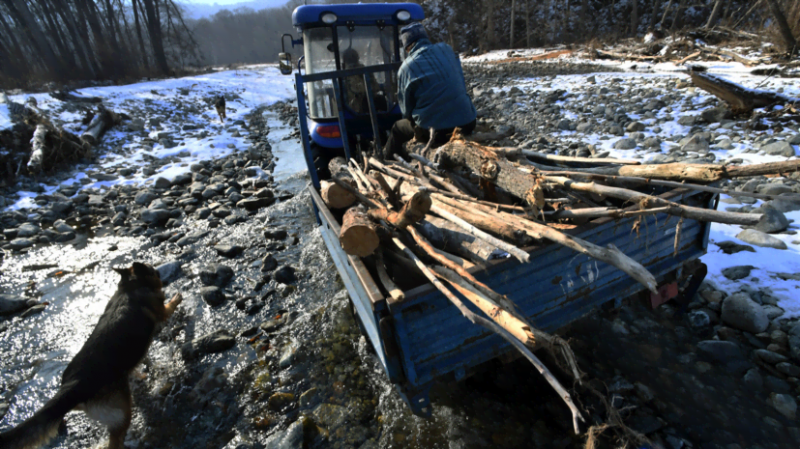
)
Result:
{"points": [[5, 118], [252, 86]]}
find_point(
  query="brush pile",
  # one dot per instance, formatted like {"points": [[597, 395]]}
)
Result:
{"points": [[438, 212]]}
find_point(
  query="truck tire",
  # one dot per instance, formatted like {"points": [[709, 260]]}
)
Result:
{"points": [[321, 159]]}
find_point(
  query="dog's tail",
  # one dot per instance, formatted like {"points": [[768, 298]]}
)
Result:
{"points": [[40, 428]]}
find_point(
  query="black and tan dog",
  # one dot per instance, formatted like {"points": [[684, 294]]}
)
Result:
{"points": [[219, 105], [96, 380]]}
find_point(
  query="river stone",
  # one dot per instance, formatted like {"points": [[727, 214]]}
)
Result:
{"points": [[216, 274], [162, 183], [721, 351], [775, 189], [154, 216], [736, 273], [783, 204], [217, 341], [12, 304], [18, 244], [772, 220], [255, 203], [38, 308], [291, 439], [275, 234], [28, 230], [731, 247], [761, 239], [753, 380], [781, 148], [769, 356], [741, 312], [287, 356], [144, 198], [169, 271], [785, 404], [625, 144], [795, 139], [788, 369], [191, 238], [696, 143], [213, 296], [285, 275], [699, 318], [229, 251], [330, 416], [279, 401], [268, 263], [634, 127]]}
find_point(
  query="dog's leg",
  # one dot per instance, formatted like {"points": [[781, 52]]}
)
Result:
{"points": [[118, 430], [169, 309], [112, 408]]}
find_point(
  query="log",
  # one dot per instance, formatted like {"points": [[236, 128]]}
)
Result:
{"points": [[482, 221], [65, 95], [451, 238], [740, 98], [102, 122], [358, 236], [38, 147], [412, 212], [395, 292], [335, 196], [581, 160], [475, 319]]}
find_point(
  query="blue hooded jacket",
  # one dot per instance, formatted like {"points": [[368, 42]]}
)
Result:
{"points": [[431, 87]]}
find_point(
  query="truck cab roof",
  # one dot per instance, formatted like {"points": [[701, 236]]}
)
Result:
{"points": [[355, 14]]}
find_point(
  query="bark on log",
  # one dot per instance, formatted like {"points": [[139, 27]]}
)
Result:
{"points": [[413, 211], [65, 95], [451, 238], [38, 147], [335, 196], [101, 122], [358, 236], [740, 98]]}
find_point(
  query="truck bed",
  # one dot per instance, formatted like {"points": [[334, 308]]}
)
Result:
{"points": [[424, 338]]}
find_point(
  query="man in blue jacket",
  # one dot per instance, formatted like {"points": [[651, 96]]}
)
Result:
{"points": [[431, 91]]}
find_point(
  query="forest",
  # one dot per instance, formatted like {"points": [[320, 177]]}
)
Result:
{"points": [[71, 40]]}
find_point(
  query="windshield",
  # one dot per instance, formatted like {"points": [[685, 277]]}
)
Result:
{"points": [[362, 47]]}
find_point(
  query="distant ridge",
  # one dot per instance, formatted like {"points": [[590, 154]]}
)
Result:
{"points": [[202, 10]]}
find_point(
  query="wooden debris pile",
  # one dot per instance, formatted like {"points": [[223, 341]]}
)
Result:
{"points": [[438, 212], [35, 144]]}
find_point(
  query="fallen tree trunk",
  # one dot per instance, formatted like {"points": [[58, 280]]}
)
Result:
{"points": [[65, 95], [740, 98], [101, 123], [358, 236], [38, 147]]}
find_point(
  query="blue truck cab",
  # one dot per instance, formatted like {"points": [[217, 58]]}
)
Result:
{"points": [[348, 37]]}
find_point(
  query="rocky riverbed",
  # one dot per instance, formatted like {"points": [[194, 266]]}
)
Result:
{"points": [[264, 351]]}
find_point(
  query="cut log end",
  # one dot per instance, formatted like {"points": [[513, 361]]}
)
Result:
{"points": [[358, 236], [335, 196]]}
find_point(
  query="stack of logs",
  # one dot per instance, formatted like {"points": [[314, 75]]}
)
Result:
{"points": [[459, 205]]}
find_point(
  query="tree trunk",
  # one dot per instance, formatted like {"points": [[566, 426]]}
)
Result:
{"points": [[738, 97], [101, 122], [584, 12], [677, 19], [513, 10], [527, 23], [80, 45], [57, 36], [714, 14], [666, 11], [138, 25], [654, 15], [634, 18], [16, 52], [154, 31], [19, 9], [358, 235], [783, 26]]}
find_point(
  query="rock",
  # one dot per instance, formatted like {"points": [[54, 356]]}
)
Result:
{"points": [[687, 120], [268, 263], [191, 238], [213, 296], [741, 312], [18, 244], [308, 397], [216, 274], [229, 251], [788, 369], [785, 404], [699, 318], [645, 424], [12, 304], [144, 198], [635, 127], [162, 183], [769, 357], [38, 308], [564, 125], [291, 439], [721, 351], [62, 227], [772, 220], [773, 311], [731, 247], [274, 324], [736, 273], [287, 357], [625, 144], [717, 114], [28, 230], [762, 239], [781, 148], [330, 416], [154, 216], [285, 275], [776, 385], [275, 234], [169, 271], [214, 342], [696, 144], [255, 203], [279, 401], [783, 204], [753, 380]]}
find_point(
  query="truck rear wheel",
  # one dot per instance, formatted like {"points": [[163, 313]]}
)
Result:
{"points": [[321, 159]]}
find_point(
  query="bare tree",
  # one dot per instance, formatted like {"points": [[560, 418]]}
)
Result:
{"points": [[783, 26], [634, 17], [712, 19], [513, 8]]}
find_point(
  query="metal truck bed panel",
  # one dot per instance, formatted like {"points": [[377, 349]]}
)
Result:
{"points": [[555, 288]]}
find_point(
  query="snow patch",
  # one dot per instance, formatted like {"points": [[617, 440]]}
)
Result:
{"points": [[5, 117]]}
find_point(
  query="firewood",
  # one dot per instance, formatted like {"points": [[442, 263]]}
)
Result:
{"points": [[387, 282], [358, 236], [412, 212], [453, 239], [475, 319]]}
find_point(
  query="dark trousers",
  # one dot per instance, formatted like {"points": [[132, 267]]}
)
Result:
{"points": [[404, 130]]}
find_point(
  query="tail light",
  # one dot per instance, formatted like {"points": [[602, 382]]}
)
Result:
{"points": [[329, 131]]}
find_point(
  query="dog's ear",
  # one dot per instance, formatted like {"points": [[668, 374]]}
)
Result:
{"points": [[141, 270], [124, 272]]}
